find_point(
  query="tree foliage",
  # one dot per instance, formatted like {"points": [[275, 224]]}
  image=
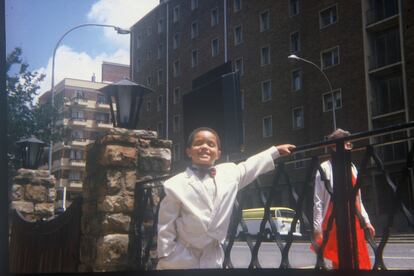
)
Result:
{"points": [[25, 117]]}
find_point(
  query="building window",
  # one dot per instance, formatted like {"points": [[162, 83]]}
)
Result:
{"points": [[176, 95], [194, 58], [159, 51], [238, 35], [266, 91], [102, 118], [160, 129], [237, 5], [79, 94], [238, 66], [265, 55], [296, 80], [300, 163], [176, 14], [138, 41], [214, 17], [160, 26], [293, 7], [176, 154], [176, 41], [102, 99], [148, 105], [149, 30], [139, 65], [176, 68], [76, 154], [294, 42], [78, 135], [194, 4], [77, 114], [264, 21], [267, 127], [327, 100], [328, 17], [215, 47], [297, 117], [194, 29], [75, 176], [159, 103], [176, 123], [149, 80], [159, 79], [330, 57]]}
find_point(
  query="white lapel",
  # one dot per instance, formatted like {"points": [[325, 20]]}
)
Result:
{"points": [[198, 187]]}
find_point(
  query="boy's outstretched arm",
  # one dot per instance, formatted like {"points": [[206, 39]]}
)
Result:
{"points": [[285, 149]]}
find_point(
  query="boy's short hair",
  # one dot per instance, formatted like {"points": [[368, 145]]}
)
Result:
{"points": [[338, 133], [195, 131]]}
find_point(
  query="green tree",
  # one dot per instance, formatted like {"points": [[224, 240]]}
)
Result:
{"points": [[25, 118]]}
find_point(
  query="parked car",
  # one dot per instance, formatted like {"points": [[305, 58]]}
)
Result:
{"points": [[282, 217]]}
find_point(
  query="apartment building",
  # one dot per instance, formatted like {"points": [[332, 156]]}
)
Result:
{"points": [[365, 48], [84, 115]]}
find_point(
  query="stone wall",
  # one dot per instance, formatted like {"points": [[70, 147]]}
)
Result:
{"points": [[33, 194], [114, 163]]}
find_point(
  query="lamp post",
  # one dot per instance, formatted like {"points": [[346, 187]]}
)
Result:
{"points": [[128, 100], [329, 83], [31, 150], [52, 87]]}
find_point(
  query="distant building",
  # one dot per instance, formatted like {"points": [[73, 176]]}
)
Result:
{"points": [[365, 47], [84, 114]]}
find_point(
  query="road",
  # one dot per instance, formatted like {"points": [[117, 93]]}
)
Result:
{"points": [[396, 255]]}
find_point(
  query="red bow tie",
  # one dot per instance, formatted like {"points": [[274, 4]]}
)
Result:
{"points": [[201, 171]]}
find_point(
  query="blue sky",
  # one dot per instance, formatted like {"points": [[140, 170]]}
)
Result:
{"points": [[37, 25]]}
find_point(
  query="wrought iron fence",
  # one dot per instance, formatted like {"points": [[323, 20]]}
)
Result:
{"points": [[149, 193]]}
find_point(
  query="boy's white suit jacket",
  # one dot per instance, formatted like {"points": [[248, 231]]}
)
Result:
{"points": [[189, 219]]}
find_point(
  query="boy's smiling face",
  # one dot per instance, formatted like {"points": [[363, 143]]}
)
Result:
{"points": [[204, 150]]}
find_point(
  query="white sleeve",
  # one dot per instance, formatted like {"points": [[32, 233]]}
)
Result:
{"points": [[167, 234], [318, 202], [363, 211], [256, 165]]}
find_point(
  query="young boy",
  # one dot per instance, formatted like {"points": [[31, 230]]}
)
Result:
{"points": [[195, 213]]}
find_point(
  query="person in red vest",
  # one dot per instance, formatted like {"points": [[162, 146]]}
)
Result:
{"points": [[322, 210]]}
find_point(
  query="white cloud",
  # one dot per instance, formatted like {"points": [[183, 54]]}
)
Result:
{"points": [[121, 13], [78, 65], [81, 65]]}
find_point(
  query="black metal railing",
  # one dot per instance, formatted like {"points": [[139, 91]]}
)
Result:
{"points": [[344, 194]]}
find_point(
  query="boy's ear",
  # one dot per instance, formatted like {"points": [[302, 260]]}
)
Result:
{"points": [[188, 152], [218, 154]]}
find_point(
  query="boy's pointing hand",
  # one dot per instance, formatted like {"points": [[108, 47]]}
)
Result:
{"points": [[285, 149]]}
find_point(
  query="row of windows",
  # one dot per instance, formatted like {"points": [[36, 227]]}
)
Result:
{"points": [[298, 117], [327, 17], [329, 58]]}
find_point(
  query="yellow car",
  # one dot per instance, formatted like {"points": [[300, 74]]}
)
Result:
{"points": [[282, 217]]}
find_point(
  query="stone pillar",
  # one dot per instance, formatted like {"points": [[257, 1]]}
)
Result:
{"points": [[114, 163], [33, 194]]}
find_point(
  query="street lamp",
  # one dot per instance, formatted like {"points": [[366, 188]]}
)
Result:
{"points": [[128, 100], [52, 88], [329, 83], [31, 150]]}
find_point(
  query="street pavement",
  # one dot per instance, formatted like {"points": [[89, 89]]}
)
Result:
{"points": [[396, 255]]}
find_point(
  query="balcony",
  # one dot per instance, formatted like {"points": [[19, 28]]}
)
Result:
{"points": [[79, 101], [102, 105], [104, 124], [79, 142], [383, 10], [75, 185], [386, 51], [77, 163], [79, 121], [388, 97]]}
